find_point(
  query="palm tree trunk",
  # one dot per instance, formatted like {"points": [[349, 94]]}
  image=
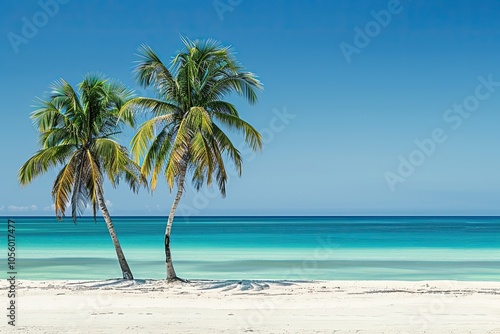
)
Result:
{"points": [[171, 275], [127, 273]]}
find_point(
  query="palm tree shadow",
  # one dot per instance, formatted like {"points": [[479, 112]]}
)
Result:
{"points": [[153, 284], [117, 283], [241, 285]]}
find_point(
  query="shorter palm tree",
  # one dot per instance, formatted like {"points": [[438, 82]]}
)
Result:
{"points": [[76, 131]]}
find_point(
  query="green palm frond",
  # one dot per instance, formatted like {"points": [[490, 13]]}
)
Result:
{"points": [[220, 139], [222, 107], [92, 176], [150, 71], [252, 136], [63, 186], [44, 160], [48, 116], [116, 157], [118, 162], [155, 154], [220, 174], [202, 161], [145, 134], [155, 106]]}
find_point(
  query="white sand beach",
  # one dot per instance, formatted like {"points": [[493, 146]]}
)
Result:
{"points": [[153, 306]]}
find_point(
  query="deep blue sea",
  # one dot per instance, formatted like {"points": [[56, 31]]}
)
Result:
{"points": [[295, 248]]}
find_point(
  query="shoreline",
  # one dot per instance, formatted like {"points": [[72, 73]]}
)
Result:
{"points": [[256, 306]]}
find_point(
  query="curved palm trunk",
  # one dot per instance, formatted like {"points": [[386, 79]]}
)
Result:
{"points": [[171, 275], [127, 273]]}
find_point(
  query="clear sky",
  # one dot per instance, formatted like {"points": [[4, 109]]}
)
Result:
{"points": [[350, 86]]}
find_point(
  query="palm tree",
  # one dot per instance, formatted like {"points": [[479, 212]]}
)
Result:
{"points": [[76, 131], [185, 136]]}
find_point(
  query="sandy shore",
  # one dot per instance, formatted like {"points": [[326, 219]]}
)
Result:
{"points": [[153, 306]]}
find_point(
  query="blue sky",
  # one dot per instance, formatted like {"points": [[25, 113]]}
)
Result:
{"points": [[350, 86]]}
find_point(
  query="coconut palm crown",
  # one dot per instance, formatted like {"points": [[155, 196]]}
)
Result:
{"points": [[77, 132]]}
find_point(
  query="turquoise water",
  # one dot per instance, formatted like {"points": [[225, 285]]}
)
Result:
{"points": [[298, 248]]}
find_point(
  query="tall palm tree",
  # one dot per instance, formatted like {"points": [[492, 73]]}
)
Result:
{"points": [[184, 136], [76, 131]]}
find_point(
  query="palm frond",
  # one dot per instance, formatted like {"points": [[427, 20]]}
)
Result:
{"points": [[63, 185], [150, 71], [142, 105], [252, 136], [42, 161], [226, 146], [80, 195]]}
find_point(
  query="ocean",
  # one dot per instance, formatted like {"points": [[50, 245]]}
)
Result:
{"points": [[289, 248]]}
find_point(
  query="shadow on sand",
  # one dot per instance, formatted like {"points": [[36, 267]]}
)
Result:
{"points": [[150, 284]]}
